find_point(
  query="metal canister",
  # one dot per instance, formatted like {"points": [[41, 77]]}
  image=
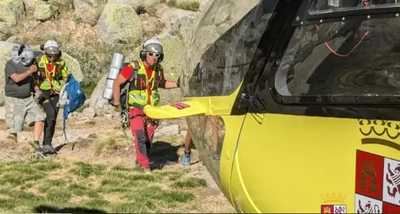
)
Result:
{"points": [[116, 64]]}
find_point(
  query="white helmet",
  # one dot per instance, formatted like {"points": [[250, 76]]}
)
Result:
{"points": [[51, 47], [153, 45], [22, 54]]}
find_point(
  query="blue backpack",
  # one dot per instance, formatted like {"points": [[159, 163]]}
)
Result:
{"points": [[71, 98], [74, 96]]}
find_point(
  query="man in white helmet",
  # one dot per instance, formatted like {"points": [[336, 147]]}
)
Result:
{"points": [[144, 77], [20, 104], [53, 74]]}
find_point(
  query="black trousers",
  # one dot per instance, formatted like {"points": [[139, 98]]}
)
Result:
{"points": [[50, 107]]}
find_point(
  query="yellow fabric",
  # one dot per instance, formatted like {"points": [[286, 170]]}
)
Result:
{"points": [[140, 97], [54, 79]]}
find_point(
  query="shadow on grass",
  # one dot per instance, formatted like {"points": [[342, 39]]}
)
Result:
{"points": [[51, 209], [163, 153]]}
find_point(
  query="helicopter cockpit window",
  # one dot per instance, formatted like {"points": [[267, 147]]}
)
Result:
{"points": [[331, 6], [355, 56], [223, 65]]}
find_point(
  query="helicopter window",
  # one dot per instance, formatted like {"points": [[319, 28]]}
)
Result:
{"points": [[353, 58], [331, 6], [223, 65]]}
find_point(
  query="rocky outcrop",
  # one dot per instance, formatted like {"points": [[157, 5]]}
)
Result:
{"points": [[151, 3], [119, 24], [74, 66], [135, 4], [11, 11], [30, 3], [97, 104], [43, 11], [217, 18], [176, 21], [88, 11], [174, 59], [63, 4], [193, 5]]}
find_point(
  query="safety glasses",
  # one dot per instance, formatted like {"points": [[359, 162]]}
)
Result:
{"points": [[154, 54], [52, 56]]}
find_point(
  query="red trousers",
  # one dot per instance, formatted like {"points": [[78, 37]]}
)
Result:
{"points": [[142, 129]]}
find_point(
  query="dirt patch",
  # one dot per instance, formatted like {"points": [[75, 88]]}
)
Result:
{"points": [[3, 125]]}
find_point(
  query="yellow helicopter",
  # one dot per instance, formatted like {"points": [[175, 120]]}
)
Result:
{"points": [[296, 108]]}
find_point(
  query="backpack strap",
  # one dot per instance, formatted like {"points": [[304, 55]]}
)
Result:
{"points": [[160, 80], [135, 67]]}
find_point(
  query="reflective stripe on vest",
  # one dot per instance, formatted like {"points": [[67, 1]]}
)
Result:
{"points": [[53, 74], [138, 96]]}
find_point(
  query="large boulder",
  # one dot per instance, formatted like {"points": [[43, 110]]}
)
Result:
{"points": [[11, 11], [193, 5], [151, 25], [74, 66], [43, 11], [174, 58], [97, 104], [31, 3], [174, 63], [135, 4], [176, 21], [63, 4], [119, 24], [151, 3], [89, 10]]}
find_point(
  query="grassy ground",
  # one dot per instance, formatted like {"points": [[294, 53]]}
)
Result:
{"points": [[98, 175], [51, 186]]}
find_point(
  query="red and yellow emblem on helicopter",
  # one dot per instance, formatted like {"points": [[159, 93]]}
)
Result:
{"points": [[377, 184]]}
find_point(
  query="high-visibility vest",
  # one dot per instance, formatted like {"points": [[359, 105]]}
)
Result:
{"points": [[143, 89], [53, 76]]}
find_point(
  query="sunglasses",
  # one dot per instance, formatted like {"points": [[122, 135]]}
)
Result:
{"points": [[153, 54], [53, 56]]}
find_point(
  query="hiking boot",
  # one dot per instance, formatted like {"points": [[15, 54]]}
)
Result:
{"points": [[185, 159], [12, 138], [48, 150]]}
